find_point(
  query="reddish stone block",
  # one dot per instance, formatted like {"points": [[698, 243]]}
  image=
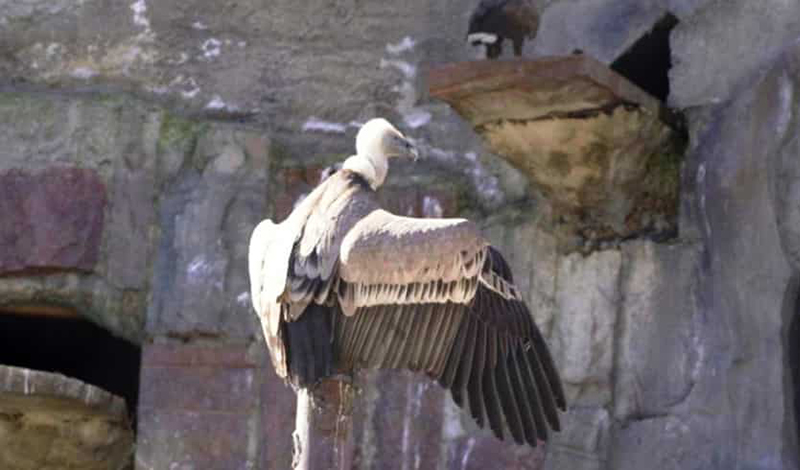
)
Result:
{"points": [[406, 425], [296, 182], [50, 220], [180, 439], [196, 378], [198, 388], [183, 355], [278, 406], [425, 403], [483, 451], [194, 398], [388, 420], [195, 406]]}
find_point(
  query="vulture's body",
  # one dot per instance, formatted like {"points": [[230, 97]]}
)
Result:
{"points": [[342, 285], [492, 21]]}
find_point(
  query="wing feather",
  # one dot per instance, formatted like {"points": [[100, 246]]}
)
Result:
{"points": [[388, 259], [518, 388], [371, 353], [475, 387], [427, 354], [454, 331], [537, 403], [428, 295], [453, 362], [508, 401], [545, 390], [464, 363], [487, 350]]}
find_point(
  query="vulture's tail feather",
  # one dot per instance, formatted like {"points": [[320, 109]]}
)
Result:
{"points": [[310, 353]]}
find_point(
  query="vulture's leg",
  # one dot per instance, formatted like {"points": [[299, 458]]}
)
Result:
{"points": [[493, 50], [518, 41]]}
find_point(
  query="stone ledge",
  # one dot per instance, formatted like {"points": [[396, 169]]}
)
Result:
{"points": [[48, 420], [597, 147], [17, 380], [546, 86]]}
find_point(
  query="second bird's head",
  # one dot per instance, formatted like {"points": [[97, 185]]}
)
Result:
{"points": [[379, 137]]}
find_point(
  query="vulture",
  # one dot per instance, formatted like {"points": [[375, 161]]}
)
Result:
{"points": [[342, 285], [494, 20]]}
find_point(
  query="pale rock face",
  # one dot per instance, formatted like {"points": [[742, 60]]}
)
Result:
{"points": [[706, 68], [587, 296], [675, 353]]}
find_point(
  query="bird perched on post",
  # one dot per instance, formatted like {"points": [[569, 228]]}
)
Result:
{"points": [[342, 285], [495, 20]]}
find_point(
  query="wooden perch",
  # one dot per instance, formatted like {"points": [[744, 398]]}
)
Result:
{"points": [[322, 436]]}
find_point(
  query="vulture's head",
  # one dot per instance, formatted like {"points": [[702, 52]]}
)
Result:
{"points": [[379, 139]]}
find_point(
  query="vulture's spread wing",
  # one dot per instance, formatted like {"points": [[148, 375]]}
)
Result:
{"points": [[431, 295], [388, 259], [342, 284]]}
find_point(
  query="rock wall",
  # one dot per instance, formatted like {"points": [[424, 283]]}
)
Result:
{"points": [[198, 119], [52, 421]]}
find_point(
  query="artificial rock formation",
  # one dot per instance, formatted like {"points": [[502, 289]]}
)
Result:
{"points": [[51, 421], [202, 118], [594, 145]]}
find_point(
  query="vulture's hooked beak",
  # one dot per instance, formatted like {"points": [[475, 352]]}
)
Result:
{"points": [[402, 146], [409, 148], [413, 151]]}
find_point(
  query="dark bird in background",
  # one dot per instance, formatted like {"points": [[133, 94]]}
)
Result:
{"points": [[496, 20], [342, 285]]}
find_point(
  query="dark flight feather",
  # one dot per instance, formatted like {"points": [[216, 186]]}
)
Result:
{"points": [[359, 293]]}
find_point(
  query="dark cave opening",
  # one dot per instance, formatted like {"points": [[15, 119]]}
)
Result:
{"points": [[74, 347], [793, 361], [647, 62]]}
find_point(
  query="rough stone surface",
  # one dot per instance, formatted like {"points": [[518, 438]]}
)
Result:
{"points": [[684, 8], [654, 360], [596, 146], [724, 42], [206, 221], [277, 417], [475, 453], [673, 451], [186, 52], [17, 380], [48, 420], [130, 165], [584, 443], [242, 62], [741, 303], [687, 366], [130, 228], [52, 220], [746, 285], [602, 29], [212, 407], [583, 336]]}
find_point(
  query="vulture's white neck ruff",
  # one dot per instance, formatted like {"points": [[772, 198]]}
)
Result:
{"points": [[374, 146], [373, 169]]}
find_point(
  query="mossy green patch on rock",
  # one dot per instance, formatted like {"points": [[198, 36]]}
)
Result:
{"points": [[664, 166], [179, 134]]}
